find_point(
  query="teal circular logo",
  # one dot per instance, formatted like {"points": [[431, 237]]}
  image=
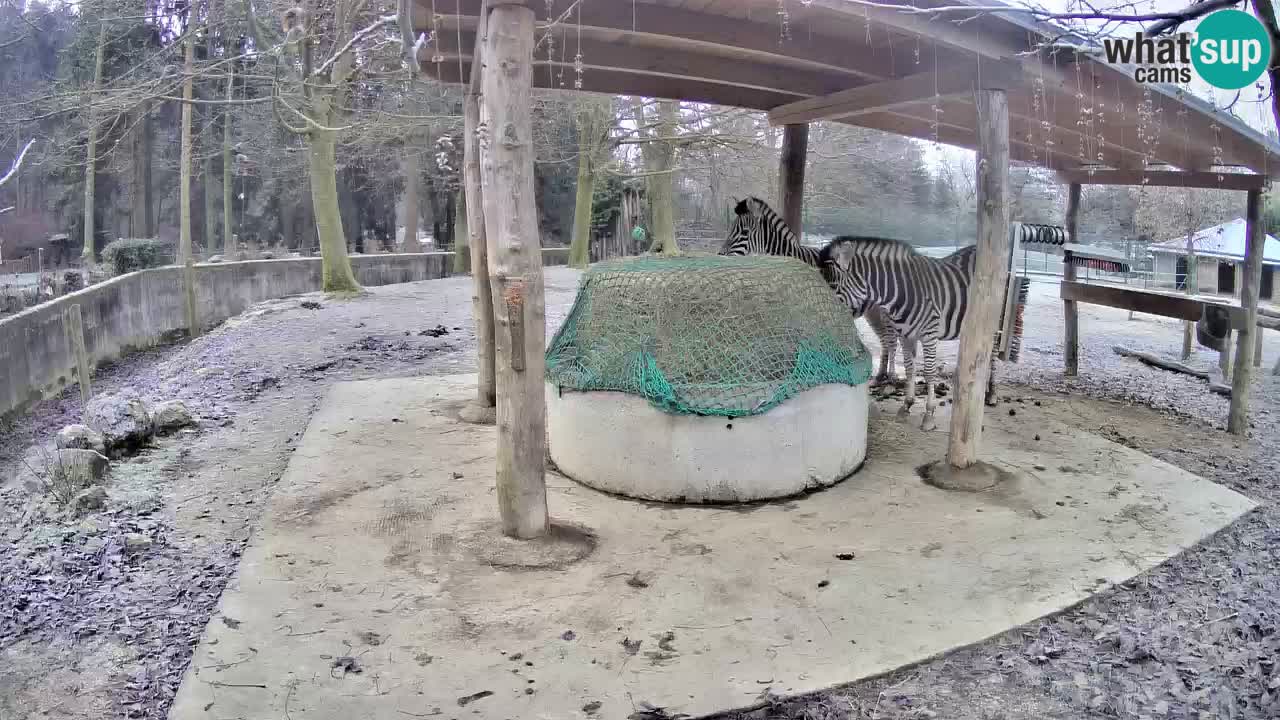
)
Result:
{"points": [[1232, 49]]}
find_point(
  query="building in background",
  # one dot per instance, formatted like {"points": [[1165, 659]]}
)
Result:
{"points": [[1219, 260]]}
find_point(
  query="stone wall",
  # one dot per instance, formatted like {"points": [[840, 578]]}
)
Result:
{"points": [[143, 309]]}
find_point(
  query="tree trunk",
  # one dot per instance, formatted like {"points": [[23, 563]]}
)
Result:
{"points": [[184, 193], [581, 243], [142, 213], [511, 223], [336, 271], [662, 185], [228, 194], [184, 171], [462, 244], [91, 153], [412, 177]]}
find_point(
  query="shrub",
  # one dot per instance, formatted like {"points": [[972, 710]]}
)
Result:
{"points": [[129, 254]]}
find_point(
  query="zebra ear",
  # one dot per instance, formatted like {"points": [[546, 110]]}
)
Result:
{"points": [[741, 208]]}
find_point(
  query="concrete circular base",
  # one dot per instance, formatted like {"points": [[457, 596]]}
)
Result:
{"points": [[621, 444]]}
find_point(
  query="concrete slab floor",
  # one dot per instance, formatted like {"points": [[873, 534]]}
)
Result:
{"points": [[370, 592]]}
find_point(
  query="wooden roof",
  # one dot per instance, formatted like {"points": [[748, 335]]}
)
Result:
{"points": [[899, 71]]}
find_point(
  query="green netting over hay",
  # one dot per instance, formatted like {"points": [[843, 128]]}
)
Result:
{"points": [[706, 335]]}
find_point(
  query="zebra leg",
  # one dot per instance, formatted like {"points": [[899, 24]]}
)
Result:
{"points": [[909, 365], [888, 343], [930, 379]]}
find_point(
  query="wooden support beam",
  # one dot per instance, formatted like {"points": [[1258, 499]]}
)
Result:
{"points": [[1171, 306], [515, 266], [961, 79], [1167, 178], [694, 63], [973, 363], [791, 166], [1238, 414], [1071, 334], [617, 82], [691, 29]]}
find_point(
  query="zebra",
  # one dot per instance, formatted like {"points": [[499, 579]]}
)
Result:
{"points": [[924, 298], [758, 230]]}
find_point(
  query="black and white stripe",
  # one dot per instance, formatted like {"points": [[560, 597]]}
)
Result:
{"points": [[758, 230], [924, 298]]}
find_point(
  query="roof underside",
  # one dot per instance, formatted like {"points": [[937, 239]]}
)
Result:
{"points": [[1067, 110]]}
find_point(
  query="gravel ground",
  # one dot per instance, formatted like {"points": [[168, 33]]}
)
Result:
{"points": [[1193, 638], [90, 628]]}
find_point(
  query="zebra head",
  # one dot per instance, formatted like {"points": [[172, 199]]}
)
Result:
{"points": [[836, 262], [745, 233]]}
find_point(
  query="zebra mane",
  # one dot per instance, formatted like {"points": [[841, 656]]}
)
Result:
{"points": [[863, 242]]}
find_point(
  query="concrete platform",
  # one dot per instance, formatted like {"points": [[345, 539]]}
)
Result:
{"points": [[368, 594]]}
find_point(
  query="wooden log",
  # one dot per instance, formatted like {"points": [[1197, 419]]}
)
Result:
{"points": [[1071, 335], [986, 295], [1238, 415], [1162, 363], [73, 322], [515, 266], [481, 291], [791, 167]]}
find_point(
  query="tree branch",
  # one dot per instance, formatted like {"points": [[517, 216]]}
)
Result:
{"points": [[17, 163], [361, 35], [1267, 13]]}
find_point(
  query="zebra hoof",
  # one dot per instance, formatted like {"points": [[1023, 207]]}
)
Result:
{"points": [[992, 401]]}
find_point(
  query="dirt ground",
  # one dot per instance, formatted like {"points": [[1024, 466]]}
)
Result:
{"points": [[90, 628]]}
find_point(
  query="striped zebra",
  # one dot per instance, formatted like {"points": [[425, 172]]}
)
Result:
{"points": [[924, 298], [758, 230]]}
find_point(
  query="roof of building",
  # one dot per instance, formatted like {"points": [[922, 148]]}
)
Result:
{"points": [[1224, 241], [889, 65]]}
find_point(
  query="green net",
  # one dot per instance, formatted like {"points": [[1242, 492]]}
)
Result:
{"points": [[706, 335]]}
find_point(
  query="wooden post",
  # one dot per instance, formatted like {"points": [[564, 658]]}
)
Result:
{"points": [[73, 321], [1071, 337], [481, 293], [189, 295], [515, 266], [986, 295], [1257, 349], [1238, 415], [1224, 358], [791, 166]]}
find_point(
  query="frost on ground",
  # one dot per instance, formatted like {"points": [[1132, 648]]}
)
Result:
{"points": [[99, 614], [1194, 638]]}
